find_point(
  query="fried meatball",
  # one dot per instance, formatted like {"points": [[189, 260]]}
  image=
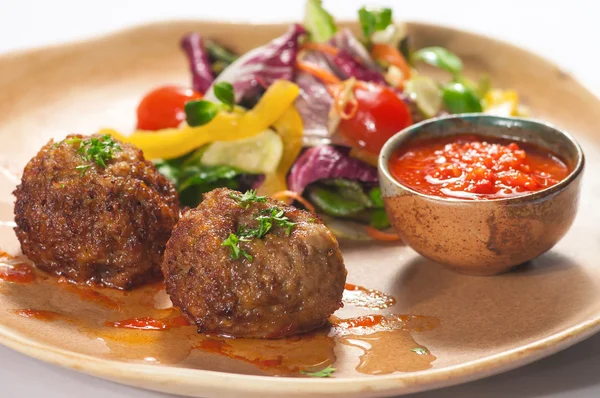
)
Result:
{"points": [[104, 225], [281, 284]]}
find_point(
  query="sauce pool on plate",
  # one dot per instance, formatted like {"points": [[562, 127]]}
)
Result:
{"points": [[476, 167]]}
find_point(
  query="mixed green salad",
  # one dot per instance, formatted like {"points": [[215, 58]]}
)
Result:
{"points": [[303, 117]]}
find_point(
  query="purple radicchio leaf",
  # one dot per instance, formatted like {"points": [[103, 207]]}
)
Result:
{"points": [[326, 161], [314, 102], [345, 40], [350, 67], [202, 76], [259, 68]]}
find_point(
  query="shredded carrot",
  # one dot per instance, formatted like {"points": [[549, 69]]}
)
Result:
{"points": [[325, 48], [318, 72], [286, 195], [332, 89], [369, 86], [343, 95], [336, 91], [341, 106], [380, 235], [392, 56]]}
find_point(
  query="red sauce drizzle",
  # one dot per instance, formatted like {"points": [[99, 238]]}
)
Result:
{"points": [[12, 270], [476, 167], [283, 357], [360, 321], [148, 323], [17, 273]]}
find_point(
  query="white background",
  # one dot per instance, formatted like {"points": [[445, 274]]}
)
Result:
{"points": [[566, 32]]}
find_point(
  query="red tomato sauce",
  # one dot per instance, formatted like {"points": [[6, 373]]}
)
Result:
{"points": [[476, 167], [17, 273], [364, 321]]}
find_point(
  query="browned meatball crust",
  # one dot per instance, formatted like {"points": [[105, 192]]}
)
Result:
{"points": [[105, 225], [292, 284]]}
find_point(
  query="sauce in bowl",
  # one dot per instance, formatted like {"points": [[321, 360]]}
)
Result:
{"points": [[476, 167]]}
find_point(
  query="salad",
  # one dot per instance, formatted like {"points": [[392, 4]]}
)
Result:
{"points": [[303, 118]]}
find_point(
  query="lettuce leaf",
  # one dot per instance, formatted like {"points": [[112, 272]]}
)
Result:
{"points": [[318, 22], [192, 178]]}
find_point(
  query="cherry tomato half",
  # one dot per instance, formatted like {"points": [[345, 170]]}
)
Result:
{"points": [[162, 108], [380, 115]]}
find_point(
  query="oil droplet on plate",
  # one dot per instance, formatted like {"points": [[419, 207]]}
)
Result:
{"points": [[282, 357], [387, 342]]}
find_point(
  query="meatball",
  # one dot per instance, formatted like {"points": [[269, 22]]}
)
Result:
{"points": [[285, 282], [90, 223]]}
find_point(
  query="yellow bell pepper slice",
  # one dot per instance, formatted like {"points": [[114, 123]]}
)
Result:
{"points": [[290, 128], [226, 126], [501, 102]]}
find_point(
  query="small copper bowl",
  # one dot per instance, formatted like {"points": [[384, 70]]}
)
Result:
{"points": [[483, 237]]}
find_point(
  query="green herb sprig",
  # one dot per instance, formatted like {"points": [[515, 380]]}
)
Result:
{"points": [[439, 57], [233, 243], [420, 350], [266, 219], [459, 95], [247, 198], [98, 150], [198, 113], [275, 215], [327, 372]]}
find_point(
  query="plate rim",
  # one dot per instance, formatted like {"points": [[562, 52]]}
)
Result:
{"points": [[224, 22], [398, 383]]}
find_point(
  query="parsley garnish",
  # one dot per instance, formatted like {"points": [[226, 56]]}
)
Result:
{"points": [[94, 149], [247, 198], [277, 216], [83, 168], [233, 243], [327, 372], [265, 218], [420, 350]]}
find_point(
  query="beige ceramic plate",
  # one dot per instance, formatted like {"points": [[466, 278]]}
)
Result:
{"points": [[487, 325]]}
